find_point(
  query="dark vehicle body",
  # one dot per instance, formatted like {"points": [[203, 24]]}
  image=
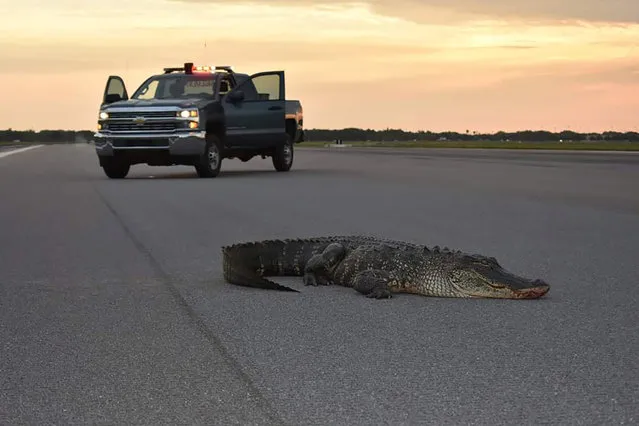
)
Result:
{"points": [[197, 116]]}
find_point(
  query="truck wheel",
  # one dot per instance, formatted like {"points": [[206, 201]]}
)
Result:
{"points": [[283, 156], [116, 169], [210, 163]]}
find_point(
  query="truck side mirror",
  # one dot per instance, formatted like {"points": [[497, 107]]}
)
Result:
{"points": [[236, 96]]}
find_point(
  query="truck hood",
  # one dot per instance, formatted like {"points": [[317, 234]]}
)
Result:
{"points": [[138, 103]]}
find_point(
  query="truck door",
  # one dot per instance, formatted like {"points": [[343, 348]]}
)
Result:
{"points": [[255, 111], [114, 91]]}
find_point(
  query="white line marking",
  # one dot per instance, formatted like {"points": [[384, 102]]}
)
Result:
{"points": [[15, 151]]}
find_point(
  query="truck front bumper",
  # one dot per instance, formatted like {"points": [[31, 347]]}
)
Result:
{"points": [[179, 144]]}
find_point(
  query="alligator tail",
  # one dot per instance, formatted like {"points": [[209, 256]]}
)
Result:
{"points": [[243, 277], [248, 263]]}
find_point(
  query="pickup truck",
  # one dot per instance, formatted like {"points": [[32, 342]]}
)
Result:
{"points": [[197, 116]]}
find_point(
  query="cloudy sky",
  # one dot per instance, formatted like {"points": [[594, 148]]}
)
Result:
{"points": [[415, 64]]}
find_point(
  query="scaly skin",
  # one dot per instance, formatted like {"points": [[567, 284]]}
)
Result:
{"points": [[376, 268]]}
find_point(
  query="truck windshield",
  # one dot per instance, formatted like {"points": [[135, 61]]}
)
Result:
{"points": [[177, 86]]}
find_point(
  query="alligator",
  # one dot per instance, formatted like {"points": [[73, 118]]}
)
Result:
{"points": [[375, 267]]}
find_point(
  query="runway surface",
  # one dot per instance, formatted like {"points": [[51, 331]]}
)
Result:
{"points": [[113, 308]]}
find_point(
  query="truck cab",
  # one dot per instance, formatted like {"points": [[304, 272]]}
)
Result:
{"points": [[197, 115]]}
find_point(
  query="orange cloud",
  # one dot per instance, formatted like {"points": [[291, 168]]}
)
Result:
{"points": [[455, 10]]}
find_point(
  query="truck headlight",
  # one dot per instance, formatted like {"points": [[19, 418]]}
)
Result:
{"points": [[187, 113], [103, 115]]}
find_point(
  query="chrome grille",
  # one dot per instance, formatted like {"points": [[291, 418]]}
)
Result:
{"points": [[153, 126], [145, 114]]}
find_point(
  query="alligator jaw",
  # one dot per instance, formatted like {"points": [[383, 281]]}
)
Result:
{"points": [[501, 284], [532, 292], [527, 293]]}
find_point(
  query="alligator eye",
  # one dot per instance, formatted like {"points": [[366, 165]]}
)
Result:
{"points": [[496, 285]]}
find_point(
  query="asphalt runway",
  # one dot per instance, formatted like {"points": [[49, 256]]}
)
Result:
{"points": [[113, 308]]}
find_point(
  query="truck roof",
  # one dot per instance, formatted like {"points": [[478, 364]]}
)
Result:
{"points": [[189, 68]]}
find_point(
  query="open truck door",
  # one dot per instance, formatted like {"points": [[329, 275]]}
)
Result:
{"points": [[256, 111], [114, 91]]}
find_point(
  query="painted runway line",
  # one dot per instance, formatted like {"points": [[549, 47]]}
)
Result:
{"points": [[16, 151]]}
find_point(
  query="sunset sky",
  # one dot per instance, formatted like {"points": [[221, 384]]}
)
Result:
{"points": [[413, 64]]}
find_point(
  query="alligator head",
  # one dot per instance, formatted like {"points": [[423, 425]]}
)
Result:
{"points": [[483, 277]]}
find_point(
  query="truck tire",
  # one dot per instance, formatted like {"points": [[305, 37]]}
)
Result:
{"points": [[209, 164], [116, 169], [283, 156]]}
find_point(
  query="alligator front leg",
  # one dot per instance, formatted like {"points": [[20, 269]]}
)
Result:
{"points": [[373, 283]]}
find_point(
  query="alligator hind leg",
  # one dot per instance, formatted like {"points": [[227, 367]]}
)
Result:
{"points": [[373, 283], [314, 272], [318, 268]]}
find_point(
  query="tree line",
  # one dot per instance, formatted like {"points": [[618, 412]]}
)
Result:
{"points": [[399, 135], [46, 136], [357, 135]]}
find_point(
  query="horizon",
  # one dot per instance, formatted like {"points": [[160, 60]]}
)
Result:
{"points": [[408, 132], [435, 66]]}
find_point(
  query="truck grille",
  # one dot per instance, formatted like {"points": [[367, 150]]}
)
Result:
{"points": [[141, 142], [146, 114], [152, 126]]}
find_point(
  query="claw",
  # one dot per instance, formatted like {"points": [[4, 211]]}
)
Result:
{"points": [[309, 279], [379, 294]]}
